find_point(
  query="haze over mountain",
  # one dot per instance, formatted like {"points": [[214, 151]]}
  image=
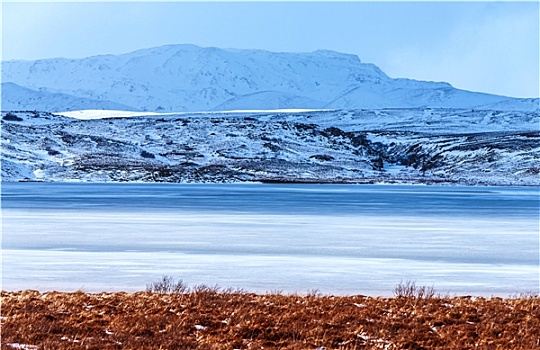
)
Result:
{"points": [[191, 78]]}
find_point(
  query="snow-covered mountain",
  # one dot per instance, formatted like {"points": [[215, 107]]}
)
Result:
{"points": [[451, 146], [192, 78]]}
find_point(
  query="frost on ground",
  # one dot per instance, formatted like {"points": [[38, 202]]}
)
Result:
{"points": [[21, 346], [389, 145]]}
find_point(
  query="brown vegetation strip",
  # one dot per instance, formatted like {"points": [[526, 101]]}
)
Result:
{"points": [[207, 319]]}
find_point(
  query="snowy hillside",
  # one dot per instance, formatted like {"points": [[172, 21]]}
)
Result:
{"points": [[15, 98], [390, 145], [177, 78]]}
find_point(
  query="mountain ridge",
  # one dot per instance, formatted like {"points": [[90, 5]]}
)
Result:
{"points": [[186, 77]]}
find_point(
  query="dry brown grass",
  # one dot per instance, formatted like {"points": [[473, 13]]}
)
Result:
{"points": [[205, 318]]}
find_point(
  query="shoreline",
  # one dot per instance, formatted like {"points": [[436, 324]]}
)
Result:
{"points": [[370, 181]]}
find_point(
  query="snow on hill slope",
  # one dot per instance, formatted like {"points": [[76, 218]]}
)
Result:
{"points": [[16, 98], [522, 104], [190, 78], [401, 97], [393, 145], [271, 100]]}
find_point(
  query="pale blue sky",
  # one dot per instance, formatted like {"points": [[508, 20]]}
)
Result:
{"points": [[481, 46]]}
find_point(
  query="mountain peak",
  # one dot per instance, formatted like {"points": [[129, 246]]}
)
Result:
{"points": [[337, 55]]}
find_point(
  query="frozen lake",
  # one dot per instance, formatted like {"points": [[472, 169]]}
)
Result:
{"points": [[340, 239]]}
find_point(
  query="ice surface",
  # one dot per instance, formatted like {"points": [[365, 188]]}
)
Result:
{"points": [[353, 239]]}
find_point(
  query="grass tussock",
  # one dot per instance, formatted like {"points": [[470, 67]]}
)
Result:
{"points": [[170, 315]]}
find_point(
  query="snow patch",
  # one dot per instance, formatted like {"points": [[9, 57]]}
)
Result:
{"points": [[22, 346]]}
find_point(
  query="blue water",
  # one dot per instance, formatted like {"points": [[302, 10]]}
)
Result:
{"points": [[277, 199], [472, 240]]}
